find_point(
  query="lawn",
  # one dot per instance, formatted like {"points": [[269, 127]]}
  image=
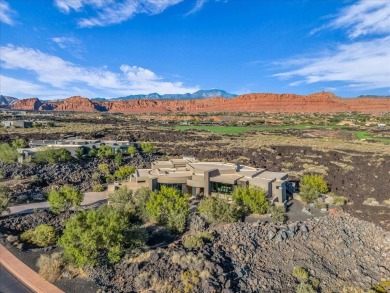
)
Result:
{"points": [[232, 130], [367, 135]]}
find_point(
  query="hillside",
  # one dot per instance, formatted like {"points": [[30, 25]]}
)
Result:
{"points": [[7, 101], [259, 102]]}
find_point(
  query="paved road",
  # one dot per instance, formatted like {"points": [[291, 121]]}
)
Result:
{"points": [[10, 284], [90, 198]]}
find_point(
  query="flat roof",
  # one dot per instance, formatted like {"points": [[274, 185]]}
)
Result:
{"points": [[271, 175]]}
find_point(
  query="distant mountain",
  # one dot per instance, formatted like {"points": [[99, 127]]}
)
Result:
{"points": [[372, 97], [201, 94], [7, 101]]}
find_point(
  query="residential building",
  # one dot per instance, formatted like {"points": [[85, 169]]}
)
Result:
{"points": [[17, 124], [209, 178]]}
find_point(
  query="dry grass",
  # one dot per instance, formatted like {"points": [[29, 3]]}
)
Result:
{"points": [[51, 266]]}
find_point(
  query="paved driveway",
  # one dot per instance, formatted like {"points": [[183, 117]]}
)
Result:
{"points": [[90, 198]]}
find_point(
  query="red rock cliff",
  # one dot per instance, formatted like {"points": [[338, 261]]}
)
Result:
{"points": [[27, 104], [317, 102]]}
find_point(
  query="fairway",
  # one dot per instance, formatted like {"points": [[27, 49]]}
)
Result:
{"points": [[232, 130], [367, 135]]}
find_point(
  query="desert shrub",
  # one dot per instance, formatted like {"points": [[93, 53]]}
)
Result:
{"points": [[197, 240], [217, 210], [98, 188], [19, 143], [52, 155], [104, 232], [96, 176], [339, 200], [7, 153], [319, 204], [169, 208], [50, 266], [140, 198], [4, 199], [311, 186], [80, 152], [315, 181], [64, 198], [189, 280], [124, 172], [105, 152], [122, 201], [147, 147], [305, 288], [132, 150], [251, 199], [42, 236], [92, 152], [50, 124], [118, 159], [197, 223], [105, 169], [278, 214], [300, 274]]}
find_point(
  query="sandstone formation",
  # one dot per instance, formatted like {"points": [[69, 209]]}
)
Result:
{"points": [[262, 102]]}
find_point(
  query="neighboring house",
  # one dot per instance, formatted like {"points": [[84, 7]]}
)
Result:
{"points": [[208, 178], [71, 144], [17, 124], [381, 125]]}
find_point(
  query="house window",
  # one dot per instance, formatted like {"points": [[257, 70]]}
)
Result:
{"points": [[221, 187]]}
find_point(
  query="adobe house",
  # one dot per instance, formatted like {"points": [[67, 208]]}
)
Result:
{"points": [[210, 178], [17, 124]]}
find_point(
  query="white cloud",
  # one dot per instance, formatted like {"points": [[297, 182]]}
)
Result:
{"points": [[6, 13], [363, 64], [113, 11], [198, 6], [56, 74], [366, 17]]}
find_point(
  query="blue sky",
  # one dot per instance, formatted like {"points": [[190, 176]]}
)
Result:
{"points": [[109, 48]]}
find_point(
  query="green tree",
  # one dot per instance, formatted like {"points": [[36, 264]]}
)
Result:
{"points": [[217, 210], [124, 172], [64, 198], [118, 159], [19, 143], [168, 207], [80, 152], [102, 232], [50, 124], [132, 150], [105, 152], [7, 153], [42, 236], [251, 199], [92, 152], [4, 199], [52, 155], [311, 186], [147, 147]]}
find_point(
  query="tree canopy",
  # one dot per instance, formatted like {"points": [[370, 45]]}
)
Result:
{"points": [[64, 198], [251, 199]]}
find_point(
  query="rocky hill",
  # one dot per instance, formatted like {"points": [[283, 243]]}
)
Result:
{"points": [[201, 94], [6, 100], [261, 102]]}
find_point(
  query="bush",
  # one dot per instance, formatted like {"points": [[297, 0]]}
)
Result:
{"points": [[98, 188], [8, 154], [300, 274], [140, 198], [147, 147], [251, 199], [52, 155], [105, 152], [92, 153], [197, 240], [132, 150], [93, 234], [124, 172], [42, 236], [4, 199], [118, 159], [277, 214], [315, 181], [80, 152], [197, 223], [305, 288], [50, 124], [50, 266], [339, 200], [19, 143], [217, 210], [64, 198], [105, 169], [168, 207]]}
